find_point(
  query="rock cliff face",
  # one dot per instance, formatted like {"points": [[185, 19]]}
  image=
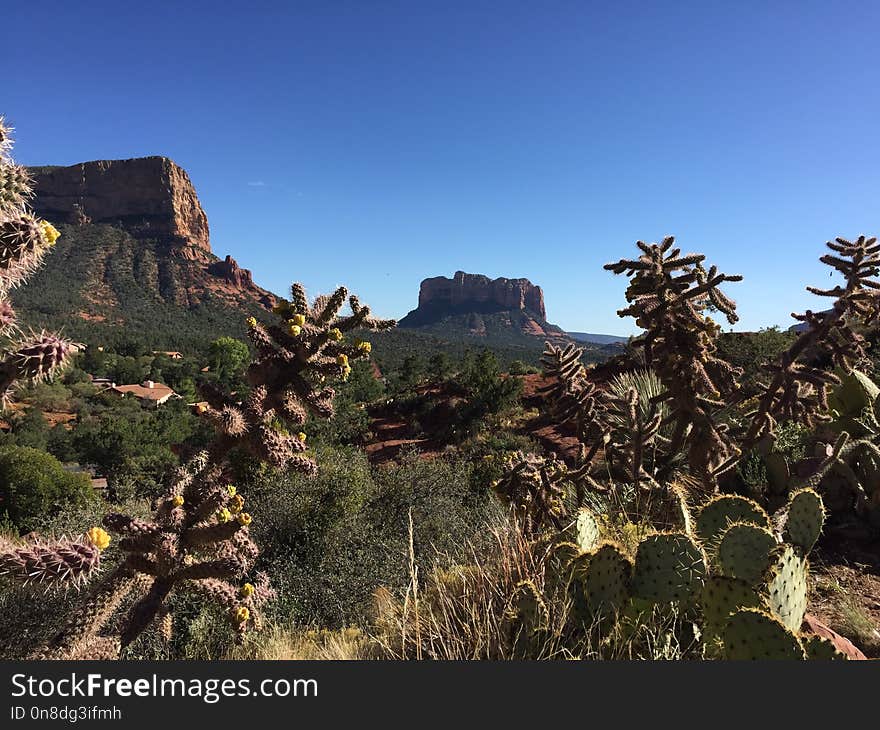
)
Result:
{"points": [[474, 304], [506, 294], [152, 200], [150, 197]]}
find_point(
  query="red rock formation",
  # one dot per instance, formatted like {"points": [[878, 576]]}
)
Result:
{"points": [[148, 196], [229, 270], [518, 294], [153, 200]]}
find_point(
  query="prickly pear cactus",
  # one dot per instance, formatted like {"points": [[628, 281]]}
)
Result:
{"points": [[528, 608], [806, 515], [587, 530], [819, 648], [752, 634], [669, 566], [721, 512], [786, 587], [606, 580], [721, 597], [854, 394], [778, 472], [744, 551]]}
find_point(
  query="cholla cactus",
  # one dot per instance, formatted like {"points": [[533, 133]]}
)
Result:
{"points": [[198, 538], [796, 391], [24, 241], [54, 562], [199, 532], [296, 357], [668, 295]]}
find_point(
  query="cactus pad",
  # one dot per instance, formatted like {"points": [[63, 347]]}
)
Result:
{"points": [[529, 608], [751, 634], [587, 530], [786, 587], [560, 562], [606, 579], [820, 648], [721, 512], [806, 514], [721, 597], [670, 566], [778, 472], [855, 393], [744, 551]]}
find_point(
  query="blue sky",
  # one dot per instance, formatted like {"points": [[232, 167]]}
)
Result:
{"points": [[376, 143]]}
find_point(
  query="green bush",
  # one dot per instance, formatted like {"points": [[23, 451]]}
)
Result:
{"points": [[34, 485], [330, 541]]}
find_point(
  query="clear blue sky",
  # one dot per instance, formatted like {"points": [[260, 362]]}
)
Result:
{"points": [[377, 143]]}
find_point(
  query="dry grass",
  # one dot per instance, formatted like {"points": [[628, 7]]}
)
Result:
{"points": [[283, 643], [469, 612]]}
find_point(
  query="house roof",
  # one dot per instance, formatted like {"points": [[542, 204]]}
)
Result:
{"points": [[155, 392]]}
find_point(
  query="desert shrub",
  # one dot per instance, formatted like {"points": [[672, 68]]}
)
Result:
{"points": [[29, 428], [34, 485], [332, 540]]}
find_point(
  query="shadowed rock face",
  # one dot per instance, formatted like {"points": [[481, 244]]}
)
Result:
{"points": [[515, 294], [149, 197]]}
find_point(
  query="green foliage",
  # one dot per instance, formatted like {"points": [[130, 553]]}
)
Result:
{"points": [[34, 486], [748, 350], [148, 308], [228, 358], [126, 441], [487, 393], [330, 541]]}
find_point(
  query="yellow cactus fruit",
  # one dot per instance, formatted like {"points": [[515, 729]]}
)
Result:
{"points": [[342, 359], [50, 233], [236, 504], [244, 519], [365, 347], [241, 614], [251, 321], [98, 537], [335, 334], [302, 436], [177, 501], [294, 330], [224, 515], [230, 490], [299, 319], [247, 590]]}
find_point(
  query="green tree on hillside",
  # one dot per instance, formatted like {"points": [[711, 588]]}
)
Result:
{"points": [[34, 485], [228, 358]]}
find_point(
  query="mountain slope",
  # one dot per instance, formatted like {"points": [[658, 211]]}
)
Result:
{"points": [[134, 259], [597, 339]]}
